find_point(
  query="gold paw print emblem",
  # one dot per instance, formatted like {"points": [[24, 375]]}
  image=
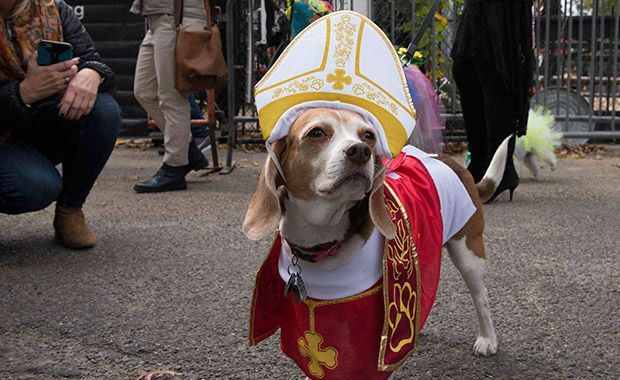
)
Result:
{"points": [[310, 347], [402, 311], [339, 78]]}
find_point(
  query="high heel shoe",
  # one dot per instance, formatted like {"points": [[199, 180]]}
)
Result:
{"points": [[501, 189], [509, 181]]}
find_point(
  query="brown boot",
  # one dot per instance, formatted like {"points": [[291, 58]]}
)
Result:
{"points": [[71, 229]]}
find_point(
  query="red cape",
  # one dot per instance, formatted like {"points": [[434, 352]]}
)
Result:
{"points": [[370, 334]]}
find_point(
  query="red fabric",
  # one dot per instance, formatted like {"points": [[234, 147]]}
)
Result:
{"points": [[268, 297], [342, 339], [416, 190], [350, 331]]}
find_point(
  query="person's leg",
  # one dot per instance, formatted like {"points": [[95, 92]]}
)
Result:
{"points": [[87, 148], [145, 82], [154, 87], [28, 180], [501, 118], [173, 104], [499, 106], [196, 160], [472, 104], [83, 147], [195, 111]]}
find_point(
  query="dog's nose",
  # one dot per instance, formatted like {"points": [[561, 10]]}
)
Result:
{"points": [[358, 153]]}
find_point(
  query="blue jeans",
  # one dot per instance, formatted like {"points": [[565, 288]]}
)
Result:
{"points": [[29, 180]]}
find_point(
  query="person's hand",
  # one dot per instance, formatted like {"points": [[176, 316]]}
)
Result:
{"points": [[80, 95], [44, 81]]}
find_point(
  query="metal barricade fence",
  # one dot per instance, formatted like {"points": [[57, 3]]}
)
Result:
{"points": [[576, 48], [577, 75], [247, 47]]}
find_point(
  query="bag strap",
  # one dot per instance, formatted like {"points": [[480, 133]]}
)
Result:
{"points": [[209, 15], [178, 13]]}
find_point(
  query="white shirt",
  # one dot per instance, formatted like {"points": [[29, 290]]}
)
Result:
{"points": [[364, 268]]}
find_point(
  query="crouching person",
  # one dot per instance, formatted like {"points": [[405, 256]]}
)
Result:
{"points": [[54, 114]]}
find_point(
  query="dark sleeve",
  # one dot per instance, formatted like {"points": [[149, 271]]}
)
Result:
{"points": [[83, 46], [13, 110]]}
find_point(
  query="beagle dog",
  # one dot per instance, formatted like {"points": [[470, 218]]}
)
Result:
{"points": [[328, 186]]}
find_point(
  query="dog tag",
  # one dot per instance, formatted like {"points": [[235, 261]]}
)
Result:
{"points": [[301, 293], [296, 284], [290, 284]]}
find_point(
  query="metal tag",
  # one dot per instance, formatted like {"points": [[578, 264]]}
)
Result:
{"points": [[290, 284], [301, 293], [296, 284]]}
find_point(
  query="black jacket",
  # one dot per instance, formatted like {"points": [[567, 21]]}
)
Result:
{"points": [[500, 32], [14, 113]]}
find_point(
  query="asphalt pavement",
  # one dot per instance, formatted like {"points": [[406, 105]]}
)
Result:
{"points": [[169, 284]]}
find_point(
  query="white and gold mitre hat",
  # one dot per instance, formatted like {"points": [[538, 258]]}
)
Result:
{"points": [[341, 61]]}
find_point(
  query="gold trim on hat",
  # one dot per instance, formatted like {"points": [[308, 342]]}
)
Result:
{"points": [[271, 113], [411, 109], [312, 85]]}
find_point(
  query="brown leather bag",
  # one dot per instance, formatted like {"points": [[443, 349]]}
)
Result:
{"points": [[199, 59]]}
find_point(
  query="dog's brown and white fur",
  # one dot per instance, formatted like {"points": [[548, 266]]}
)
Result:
{"points": [[329, 164]]}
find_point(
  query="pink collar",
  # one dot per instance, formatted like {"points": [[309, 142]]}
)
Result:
{"points": [[317, 252]]}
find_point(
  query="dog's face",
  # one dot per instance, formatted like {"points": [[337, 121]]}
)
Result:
{"points": [[329, 161], [334, 153]]}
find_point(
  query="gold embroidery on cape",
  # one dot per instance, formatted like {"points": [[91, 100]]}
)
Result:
{"points": [[310, 346], [392, 209], [339, 78], [402, 310], [312, 303], [307, 344], [401, 301], [300, 86], [399, 252], [345, 30]]}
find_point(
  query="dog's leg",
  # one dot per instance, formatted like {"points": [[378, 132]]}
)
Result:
{"points": [[472, 268], [532, 163], [551, 160]]}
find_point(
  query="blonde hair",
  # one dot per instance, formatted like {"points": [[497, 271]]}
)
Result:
{"points": [[22, 7]]}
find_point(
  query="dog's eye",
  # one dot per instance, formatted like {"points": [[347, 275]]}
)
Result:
{"points": [[369, 135], [316, 133]]}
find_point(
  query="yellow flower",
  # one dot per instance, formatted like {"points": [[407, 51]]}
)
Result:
{"points": [[442, 20]]}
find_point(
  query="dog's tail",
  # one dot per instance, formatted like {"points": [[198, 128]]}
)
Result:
{"points": [[495, 172]]}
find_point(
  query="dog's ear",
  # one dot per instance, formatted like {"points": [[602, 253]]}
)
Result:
{"points": [[376, 207], [264, 211]]}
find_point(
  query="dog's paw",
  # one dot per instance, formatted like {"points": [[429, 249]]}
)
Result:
{"points": [[485, 346]]}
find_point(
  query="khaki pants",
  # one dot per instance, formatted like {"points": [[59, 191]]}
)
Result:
{"points": [[154, 86]]}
